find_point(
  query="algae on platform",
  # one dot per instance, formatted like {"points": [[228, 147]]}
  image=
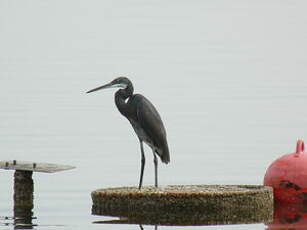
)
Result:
{"points": [[189, 203]]}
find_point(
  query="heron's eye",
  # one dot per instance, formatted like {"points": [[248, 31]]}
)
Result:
{"points": [[122, 85]]}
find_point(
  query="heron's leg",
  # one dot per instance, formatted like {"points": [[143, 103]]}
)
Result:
{"points": [[156, 168], [142, 164]]}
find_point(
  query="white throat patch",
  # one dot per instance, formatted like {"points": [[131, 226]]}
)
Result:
{"points": [[119, 85]]}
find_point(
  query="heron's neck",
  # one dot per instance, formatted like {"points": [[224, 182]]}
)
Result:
{"points": [[120, 99]]}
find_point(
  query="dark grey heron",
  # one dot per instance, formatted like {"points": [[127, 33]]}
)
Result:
{"points": [[144, 119]]}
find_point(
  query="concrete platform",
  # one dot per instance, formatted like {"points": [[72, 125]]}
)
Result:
{"points": [[186, 204]]}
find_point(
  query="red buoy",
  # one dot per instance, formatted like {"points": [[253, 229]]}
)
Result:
{"points": [[288, 176]]}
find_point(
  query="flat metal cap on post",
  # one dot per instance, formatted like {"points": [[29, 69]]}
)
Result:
{"points": [[34, 166]]}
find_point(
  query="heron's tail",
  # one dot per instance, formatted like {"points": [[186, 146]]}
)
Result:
{"points": [[164, 155]]}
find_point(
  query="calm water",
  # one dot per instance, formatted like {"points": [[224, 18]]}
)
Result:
{"points": [[228, 77]]}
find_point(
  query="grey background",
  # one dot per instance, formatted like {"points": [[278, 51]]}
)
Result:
{"points": [[228, 78]]}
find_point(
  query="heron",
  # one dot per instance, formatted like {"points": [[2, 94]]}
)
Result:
{"points": [[144, 119]]}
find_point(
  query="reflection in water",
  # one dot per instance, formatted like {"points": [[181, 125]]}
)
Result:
{"points": [[286, 216], [193, 219], [142, 228], [24, 221], [289, 216], [122, 221], [23, 218]]}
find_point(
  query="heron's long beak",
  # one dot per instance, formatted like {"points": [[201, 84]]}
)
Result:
{"points": [[109, 85]]}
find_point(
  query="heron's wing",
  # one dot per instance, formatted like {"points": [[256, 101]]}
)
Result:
{"points": [[151, 122]]}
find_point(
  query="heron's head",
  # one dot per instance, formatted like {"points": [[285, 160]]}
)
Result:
{"points": [[120, 82]]}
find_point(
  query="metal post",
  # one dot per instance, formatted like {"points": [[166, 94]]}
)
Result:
{"points": [[24, 187]]}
